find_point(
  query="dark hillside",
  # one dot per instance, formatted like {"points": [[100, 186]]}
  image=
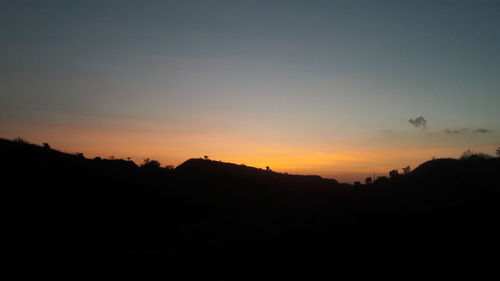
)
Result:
{"points": [[100, 210], [460, 179], [222, 170]]}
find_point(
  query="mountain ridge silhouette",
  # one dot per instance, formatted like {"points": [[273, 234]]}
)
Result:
{"points": [[84, 208]]}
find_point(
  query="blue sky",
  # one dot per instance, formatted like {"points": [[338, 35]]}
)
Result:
{"points": [[313, 82]]}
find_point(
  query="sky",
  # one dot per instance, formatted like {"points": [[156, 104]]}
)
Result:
{"points": [[342, 89]]}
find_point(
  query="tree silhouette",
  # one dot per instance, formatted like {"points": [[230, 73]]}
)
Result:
{"points": [[150, 164], [368, 180], [406, 170], [393, 174], [205, 157], [498, 151], [469, 154], [267, 168], [20, 140]]}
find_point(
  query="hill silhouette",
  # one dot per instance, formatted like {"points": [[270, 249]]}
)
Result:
{"points": [[105, 209], [217, 170]]}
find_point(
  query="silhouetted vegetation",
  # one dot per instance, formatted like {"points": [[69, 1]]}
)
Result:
{"points": [[150, 164], [20, 140], [469, 154], [393, 174], [406, 170], [115, 211]]}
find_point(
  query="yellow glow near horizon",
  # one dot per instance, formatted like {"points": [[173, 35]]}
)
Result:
{"points": [[346, 163]]}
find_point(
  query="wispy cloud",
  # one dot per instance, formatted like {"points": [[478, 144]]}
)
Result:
{"points": [[418, 122], [456, 131], [466, 131], [481, 131]]}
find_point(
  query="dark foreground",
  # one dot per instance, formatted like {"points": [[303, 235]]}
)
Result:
{"points": [[67, 209]]}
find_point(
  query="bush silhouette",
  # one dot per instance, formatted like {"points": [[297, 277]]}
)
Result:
{"points": [[406, 170], [150, 164], [393, 174], [21, 140], [470, 155]]}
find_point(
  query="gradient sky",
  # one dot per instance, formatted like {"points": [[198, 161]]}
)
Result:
{"points": [[308, 87]]}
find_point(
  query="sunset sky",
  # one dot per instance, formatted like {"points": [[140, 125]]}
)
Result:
{"points": [[342, 89]]}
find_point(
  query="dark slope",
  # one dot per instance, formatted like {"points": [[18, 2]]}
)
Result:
{"points": [[246, 179], [112, 211], [114, 206], [462, 179], [228, 171], [454, 170]]}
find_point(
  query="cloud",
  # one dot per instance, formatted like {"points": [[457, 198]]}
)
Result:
{"points": [[418, 122], [466, 130], [456, 131], [481, 131]]}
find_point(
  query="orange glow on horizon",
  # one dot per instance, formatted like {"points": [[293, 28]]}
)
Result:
{"points": [[342, 161]]}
